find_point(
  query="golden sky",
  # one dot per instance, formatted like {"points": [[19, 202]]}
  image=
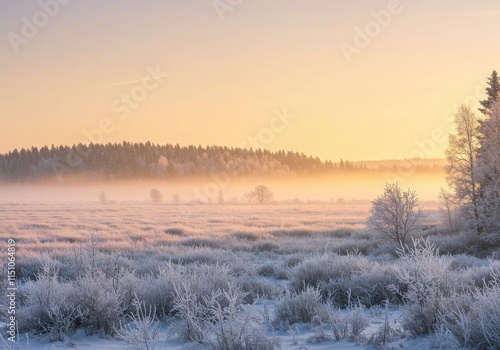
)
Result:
{"points": [[332, 78]]}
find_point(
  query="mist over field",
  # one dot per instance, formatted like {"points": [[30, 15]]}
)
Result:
{"points": [[322, 188]]}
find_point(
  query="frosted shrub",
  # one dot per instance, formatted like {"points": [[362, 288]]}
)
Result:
{"points": [[191, 312], [473, 321], [160, 291], [336, 291], [301, 307], [370, 287], [255, 288], [200, 279], [444, 339], [487, 310], [203, 279], [427, 278], [200, 287], [387, 332], [195, 311], [48, 305], [457, 325], [451, 244], [141, 332], [29, 267], [38, 294], [313, 271], [357, 321], [482, 275], [348, 325], [462, 262], [228, 331], [100, 304], [340, 277], [266, 270], [128, 286], [214, 322]]}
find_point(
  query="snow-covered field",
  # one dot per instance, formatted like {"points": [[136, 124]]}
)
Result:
{"points": [[304, 276]]}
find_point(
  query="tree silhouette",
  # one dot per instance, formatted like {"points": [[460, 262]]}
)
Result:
{"points": [[262, 194], [103, 197], [155, 196]]}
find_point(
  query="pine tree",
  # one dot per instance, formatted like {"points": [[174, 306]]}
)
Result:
{"points": [[493, 91], [488, 170]]}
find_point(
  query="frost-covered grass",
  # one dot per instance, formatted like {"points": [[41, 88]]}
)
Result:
{"points": [[242, 277]]}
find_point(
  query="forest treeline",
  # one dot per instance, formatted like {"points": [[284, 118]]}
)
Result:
{"points": [[148, 160]]}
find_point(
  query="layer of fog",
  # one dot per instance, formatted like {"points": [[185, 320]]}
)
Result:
{"points": [[329, 189]]}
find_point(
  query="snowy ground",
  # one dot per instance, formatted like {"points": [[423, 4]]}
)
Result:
{"points": [[248, 237], [297, 338]]}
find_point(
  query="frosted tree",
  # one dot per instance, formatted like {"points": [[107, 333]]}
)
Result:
{"points": [[220, 197], [155, 196], [448, 208], [488, 170], [493, 91], [461, 169], [176, 198], [396, 213], [262, 194], [103, 197], [249, 197]]}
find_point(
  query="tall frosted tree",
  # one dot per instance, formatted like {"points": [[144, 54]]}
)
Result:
{"points": [[488, 169], [492, 91], [461, 172]]}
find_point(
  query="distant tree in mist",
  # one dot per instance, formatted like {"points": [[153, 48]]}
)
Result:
{"points": [[103, 197], [220, 197], [155, 196], [396, 213], [248, 196], [176, 198], [261, 194]]}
